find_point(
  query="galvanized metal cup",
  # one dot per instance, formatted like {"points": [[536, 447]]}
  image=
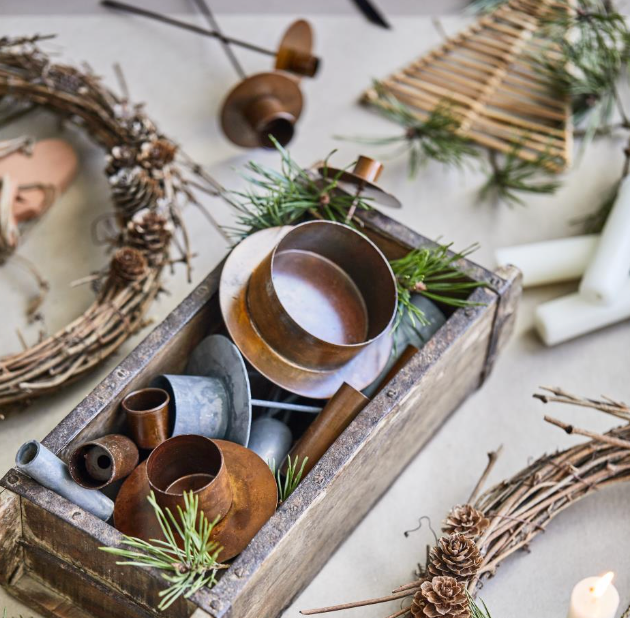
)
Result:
{"points": [[190, 463], [322, 295]]}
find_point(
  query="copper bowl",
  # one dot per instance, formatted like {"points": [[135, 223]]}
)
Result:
{"points": [[323, 295]]}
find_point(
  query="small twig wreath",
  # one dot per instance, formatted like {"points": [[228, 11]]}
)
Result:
{"points": [[480, 534], [151, 181]]}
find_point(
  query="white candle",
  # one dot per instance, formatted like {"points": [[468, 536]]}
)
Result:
{"points": [[610, 267], [594, 597], [571, 316], [551, 261]]}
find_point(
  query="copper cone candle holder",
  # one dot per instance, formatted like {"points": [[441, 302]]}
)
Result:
{"points": [[339, 412], [190, 463], [100, 462], [147, 416], [242, 491], [262, 105], [316, 311], [361, 181], [295, 50]]}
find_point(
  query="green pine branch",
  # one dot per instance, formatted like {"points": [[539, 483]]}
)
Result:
{"points": [[284, 197], [475, 610], [434, 273], [292, 478], [511, 176], [435, 137], [187, 568]]}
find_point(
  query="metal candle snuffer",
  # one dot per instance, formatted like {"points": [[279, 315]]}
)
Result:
{"points": [[306, 340]]}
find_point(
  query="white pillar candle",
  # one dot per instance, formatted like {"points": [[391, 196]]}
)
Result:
{"points": [[594, 597], [609, 270], [573, 315], [551, 261]]}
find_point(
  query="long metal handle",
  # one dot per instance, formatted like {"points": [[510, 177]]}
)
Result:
{"points": [[114, 4], [280, 405]]}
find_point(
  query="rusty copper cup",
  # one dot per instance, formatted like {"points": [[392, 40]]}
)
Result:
{"points": [[331, 422], [100, 462], [147, 416], [322, 295], [190, 463]]}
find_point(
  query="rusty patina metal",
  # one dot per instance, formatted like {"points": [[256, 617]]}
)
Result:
{"points": [[147, 413], [338, 413], [100, 462], [259, 106], [253, 491], [361, 181], [317, 309], [295, 53]]}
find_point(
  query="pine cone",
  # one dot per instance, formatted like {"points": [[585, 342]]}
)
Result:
{"points": [[133, 190], [128, 265], [465, 519], [156, 153], [456, 556], [149, 233], [119, 158], [442, 597]]}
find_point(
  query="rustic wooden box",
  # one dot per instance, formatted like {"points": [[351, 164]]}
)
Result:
{"points": [[49, 555]]}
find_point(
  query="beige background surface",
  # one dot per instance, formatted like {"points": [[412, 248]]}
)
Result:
{"points": [[183, 79]]}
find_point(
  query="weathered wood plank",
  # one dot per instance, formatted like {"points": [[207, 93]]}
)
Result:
{"points": [[10, 533]]}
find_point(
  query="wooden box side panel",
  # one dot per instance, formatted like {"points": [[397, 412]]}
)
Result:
{"points": [[406, 415], [10, 534]]}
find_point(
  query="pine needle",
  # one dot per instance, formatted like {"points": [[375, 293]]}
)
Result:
{"points": [[284, 197], [475, 610], [188, 569], [434, 138], [434, 274], [291, 479], [511, 175]]}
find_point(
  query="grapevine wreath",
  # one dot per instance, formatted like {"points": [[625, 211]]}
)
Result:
{"points": [[151, 181]]}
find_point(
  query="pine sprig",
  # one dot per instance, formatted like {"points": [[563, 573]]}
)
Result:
{"points": [[284, 197], [436, 137], [475, 610], [434, 274], [511, 175], [187, 568], [292, 478]]}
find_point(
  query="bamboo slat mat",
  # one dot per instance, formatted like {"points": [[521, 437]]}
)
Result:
{"points": [[486, 75]]}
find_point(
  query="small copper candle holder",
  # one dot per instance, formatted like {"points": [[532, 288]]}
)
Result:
{"points": [[190, 463], [147, 412], [295, 50], [100, 462]]}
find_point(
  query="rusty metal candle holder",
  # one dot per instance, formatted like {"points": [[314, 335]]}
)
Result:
{"points": [[100, 462], [147, 416], [361, 181], [190, 463], [262, 105], [317, 309], [339, 412], [186, 463]]}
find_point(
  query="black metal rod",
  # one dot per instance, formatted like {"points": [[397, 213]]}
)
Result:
{"points": [[202, 5], [114, 4]]}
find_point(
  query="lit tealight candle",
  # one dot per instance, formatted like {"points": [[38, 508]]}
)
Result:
{"points": [[594, 597]]}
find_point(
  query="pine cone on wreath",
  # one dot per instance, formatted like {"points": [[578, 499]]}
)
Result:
{"points": [[150, 233], [456, 556], [128, 266], [157, 153], [442, 597], [133, 190], [465, 519]]}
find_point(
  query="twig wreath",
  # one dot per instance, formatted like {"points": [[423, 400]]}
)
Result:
{"points": [[480, 534], [151, 181]]}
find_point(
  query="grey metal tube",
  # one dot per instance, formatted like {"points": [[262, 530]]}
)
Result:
{"points": [[280, 405], [35, 460]]}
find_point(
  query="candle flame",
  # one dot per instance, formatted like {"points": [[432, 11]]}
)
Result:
{"points": [[602, 584]]}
